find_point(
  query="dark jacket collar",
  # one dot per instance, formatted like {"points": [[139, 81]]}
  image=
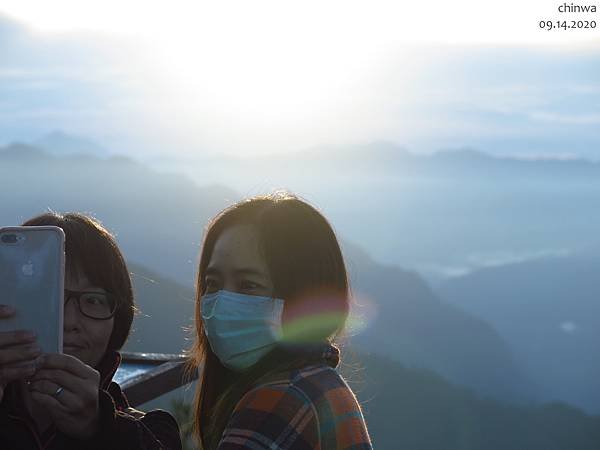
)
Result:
{"points": [[316, 353], [330, 355], [107, 367]]}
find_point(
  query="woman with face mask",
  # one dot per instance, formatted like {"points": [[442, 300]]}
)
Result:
{"points": [[272, 295], [69, 401]]}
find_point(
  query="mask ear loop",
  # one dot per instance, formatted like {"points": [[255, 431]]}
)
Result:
{"points": [[277, 318], [204, 302]]}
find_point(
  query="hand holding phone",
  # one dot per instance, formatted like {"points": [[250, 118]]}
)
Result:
{"points": [[32, 277], [18, 352]]}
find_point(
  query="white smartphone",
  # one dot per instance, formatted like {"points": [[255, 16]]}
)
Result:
{"points": [[32, 278]]}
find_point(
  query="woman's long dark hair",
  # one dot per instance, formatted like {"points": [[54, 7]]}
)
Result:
{"points": [[92, 249], [307, 270]]}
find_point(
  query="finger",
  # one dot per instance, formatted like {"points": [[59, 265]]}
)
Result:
{"points": [[62, 378], [11, 338], [67, 363], [19, 353], [11, 373], [49, 401], [6, 311], [65, 397]]}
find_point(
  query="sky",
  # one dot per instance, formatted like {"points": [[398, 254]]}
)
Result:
{"points": [[459, 21], [269, 76]]}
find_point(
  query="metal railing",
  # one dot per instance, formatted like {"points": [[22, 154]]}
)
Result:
{"points": [[146, 376]]}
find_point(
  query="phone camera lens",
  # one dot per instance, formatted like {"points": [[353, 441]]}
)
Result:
{"points": [[9, 238]]}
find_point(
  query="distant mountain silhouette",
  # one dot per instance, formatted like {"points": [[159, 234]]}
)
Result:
{"points": [[549, 312], [165, 313], [19, 152], [441, 213], [389, 158], [61, 144], [159, 220], [412, 325], [417, 409]]}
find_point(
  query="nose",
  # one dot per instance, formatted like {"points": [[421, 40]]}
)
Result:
{"points": [[71, 315]]}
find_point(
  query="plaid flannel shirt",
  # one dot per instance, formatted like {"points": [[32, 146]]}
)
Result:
{"points": [[311, 408]]}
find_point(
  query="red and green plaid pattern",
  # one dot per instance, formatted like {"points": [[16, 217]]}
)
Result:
{"points": [[309, 409]]}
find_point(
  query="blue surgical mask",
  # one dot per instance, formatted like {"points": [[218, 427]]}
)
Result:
{"points": [[241, 328]]}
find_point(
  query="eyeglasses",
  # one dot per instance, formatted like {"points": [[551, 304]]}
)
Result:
{"points": [[95, 305]]}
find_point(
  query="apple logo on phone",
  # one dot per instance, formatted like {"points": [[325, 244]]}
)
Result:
{"points": [[27, 269]]}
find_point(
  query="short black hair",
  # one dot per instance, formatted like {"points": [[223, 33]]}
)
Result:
{"points": [[90, 248]]}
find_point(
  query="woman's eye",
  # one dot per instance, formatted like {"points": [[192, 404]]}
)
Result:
{"points": [[249, 285], [210, 285], [96, 300]]}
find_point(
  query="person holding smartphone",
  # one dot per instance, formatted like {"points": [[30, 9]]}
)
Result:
{"points": [[272, 294], [69, 401]]}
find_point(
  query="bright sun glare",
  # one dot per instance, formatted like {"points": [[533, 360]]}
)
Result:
{"points": [[276, 67]]}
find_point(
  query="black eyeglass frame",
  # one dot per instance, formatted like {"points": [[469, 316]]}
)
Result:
{"points": [[69, 294]]}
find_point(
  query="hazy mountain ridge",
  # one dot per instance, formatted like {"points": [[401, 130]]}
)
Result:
{"points": [[381, 155], [417, 409], [165, 313], [393, 159], [412, 325], [549, 312], [18, 152], [159, 219], [152, 214], [453, 211], [60, 143]]}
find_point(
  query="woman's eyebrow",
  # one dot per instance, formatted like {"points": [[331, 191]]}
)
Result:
{"points": [[212, 271], [93, 289], [249, 271]]}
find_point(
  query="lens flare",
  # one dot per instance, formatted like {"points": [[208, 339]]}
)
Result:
{"points": [[313, 317], [363, 312]]}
